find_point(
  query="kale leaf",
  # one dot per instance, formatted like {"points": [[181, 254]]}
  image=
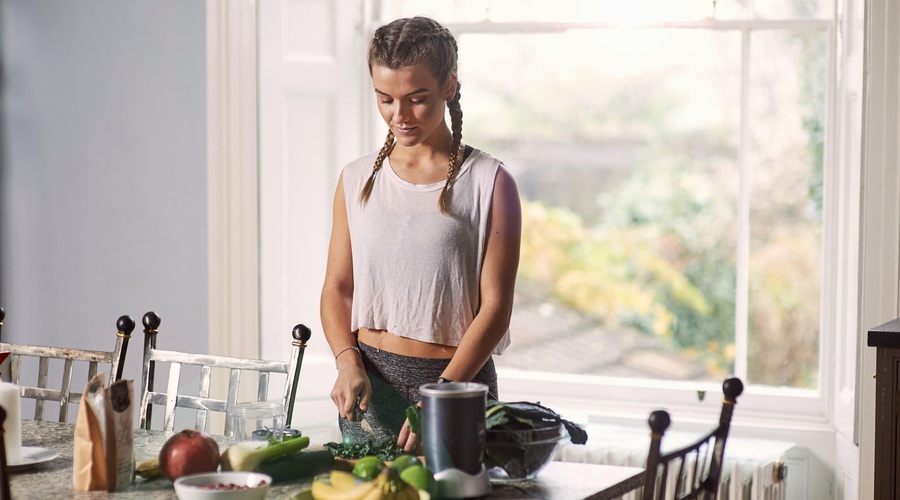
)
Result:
{"points": [[522, 414], [386, 450]]}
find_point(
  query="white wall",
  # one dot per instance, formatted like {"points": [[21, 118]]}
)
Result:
{"points": [[879, 299], [103, 171]]}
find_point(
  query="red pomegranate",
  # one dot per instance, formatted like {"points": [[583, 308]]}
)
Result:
{"points": [[188, 452]]}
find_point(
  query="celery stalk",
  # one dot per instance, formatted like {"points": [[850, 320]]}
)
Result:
{"points": [[238, 457]]}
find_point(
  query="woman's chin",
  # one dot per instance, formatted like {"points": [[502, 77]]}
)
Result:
{"points": [[408, 141]]}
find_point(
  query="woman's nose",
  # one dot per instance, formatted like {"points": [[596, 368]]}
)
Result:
{"points": [[401, 112]]}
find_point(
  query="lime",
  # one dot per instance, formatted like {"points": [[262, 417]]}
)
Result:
{"points": [[368, 468], [419, 477], [404, 461]]}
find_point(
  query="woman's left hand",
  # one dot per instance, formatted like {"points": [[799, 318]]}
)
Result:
{"points": [[408, 440]]}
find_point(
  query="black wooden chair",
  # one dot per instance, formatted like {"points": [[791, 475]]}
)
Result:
{"points": [[692, 471], [202, 403], [64, 395]]}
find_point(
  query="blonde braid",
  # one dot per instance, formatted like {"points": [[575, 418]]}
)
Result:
{"points": [[455, 146], [379, 161], [409, 41]]}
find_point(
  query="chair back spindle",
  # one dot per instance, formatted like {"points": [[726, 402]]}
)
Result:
{"points": [[693, 471], [151, 322], [41, 392], [203, 403]]}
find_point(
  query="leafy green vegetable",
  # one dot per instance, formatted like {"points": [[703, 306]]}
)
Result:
{"points": [[238, 457], [386, 451], [524, 415], [285, 437], [414, 416]]}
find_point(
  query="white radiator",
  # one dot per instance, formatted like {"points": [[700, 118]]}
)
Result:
{"points": [[747, 474], [753, 480]]}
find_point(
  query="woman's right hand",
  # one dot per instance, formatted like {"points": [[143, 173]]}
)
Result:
{"points": [[352, 386]]}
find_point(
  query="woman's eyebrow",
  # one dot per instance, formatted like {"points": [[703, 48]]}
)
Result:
{"points": [[414, 92]]}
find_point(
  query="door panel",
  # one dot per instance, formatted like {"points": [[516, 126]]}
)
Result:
{"points": [[309, 127]]}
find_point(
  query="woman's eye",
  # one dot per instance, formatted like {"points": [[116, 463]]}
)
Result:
{"points": [[411, 101]]}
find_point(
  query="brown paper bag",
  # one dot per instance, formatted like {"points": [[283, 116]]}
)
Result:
{"points": [[104, 437]]}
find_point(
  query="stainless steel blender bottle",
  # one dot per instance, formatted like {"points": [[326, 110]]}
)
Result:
{"points": [[453, 437]]}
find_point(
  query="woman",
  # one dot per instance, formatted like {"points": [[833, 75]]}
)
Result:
{"points": [[424, 247]]}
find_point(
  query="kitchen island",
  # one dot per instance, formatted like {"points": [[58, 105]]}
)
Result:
{"points": [[53, 478]]}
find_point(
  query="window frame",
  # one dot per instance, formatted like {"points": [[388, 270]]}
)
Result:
{"points": [[603, 398]]}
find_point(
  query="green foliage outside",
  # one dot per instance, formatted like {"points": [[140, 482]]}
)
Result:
{"points": [[660, 262], [650, 243]]}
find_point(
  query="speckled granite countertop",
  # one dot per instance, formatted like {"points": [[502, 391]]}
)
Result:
{"points": [[53, 479]]}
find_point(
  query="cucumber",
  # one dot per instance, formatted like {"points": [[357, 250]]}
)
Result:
{"points": [[305, 463]]}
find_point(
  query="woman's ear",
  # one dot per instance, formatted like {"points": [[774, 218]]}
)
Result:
{"points": [[450, 88]]}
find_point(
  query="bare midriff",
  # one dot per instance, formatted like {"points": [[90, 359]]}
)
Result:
{"points": [[387, 341]]}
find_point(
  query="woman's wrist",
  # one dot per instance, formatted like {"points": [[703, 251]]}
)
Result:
{"points": [[344, 350]]}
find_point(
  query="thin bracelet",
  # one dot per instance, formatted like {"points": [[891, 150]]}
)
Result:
{"points": [[344, 350]]}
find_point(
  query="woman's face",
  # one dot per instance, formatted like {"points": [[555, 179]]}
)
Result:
{"points": [[412, 103]]}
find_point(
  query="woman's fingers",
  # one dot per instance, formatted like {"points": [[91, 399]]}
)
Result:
{"points": [[352, 386], [345, 402], [404, 434], [348, 408], [407, 440], [364, 395]]}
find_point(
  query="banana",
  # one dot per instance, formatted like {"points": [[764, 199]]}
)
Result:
{"points": [[341, 485], [322, 489], [149, 469], [409, 493], [378, 493], [342, 480], [394, 488]]}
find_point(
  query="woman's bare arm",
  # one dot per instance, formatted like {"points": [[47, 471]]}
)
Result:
{"points": [[352, 384]]}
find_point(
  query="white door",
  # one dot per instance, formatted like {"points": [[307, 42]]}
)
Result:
{"points": [[311, 68]]}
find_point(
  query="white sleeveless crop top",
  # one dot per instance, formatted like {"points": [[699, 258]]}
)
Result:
{"points": [[416, 271]]}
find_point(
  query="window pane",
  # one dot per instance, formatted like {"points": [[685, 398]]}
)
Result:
{"points": [[593, 11], [787, 116], [626, 142], [800, 9], [627, 162], [611, 11]]}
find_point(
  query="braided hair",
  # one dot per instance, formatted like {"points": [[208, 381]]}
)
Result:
{"points": [[407, 42]]}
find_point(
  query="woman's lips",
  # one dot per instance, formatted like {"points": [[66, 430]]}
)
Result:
{"points": [[404, 130]]}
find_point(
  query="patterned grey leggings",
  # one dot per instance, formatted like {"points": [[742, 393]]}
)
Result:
{"points": [[395, 386]]}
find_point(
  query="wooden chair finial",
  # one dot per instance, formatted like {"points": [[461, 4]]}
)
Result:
{"points": [[125, 325], [659, 421], [732, 388], [301, 333], [151, 322]]}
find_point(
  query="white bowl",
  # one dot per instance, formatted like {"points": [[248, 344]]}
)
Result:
{"points": [[200, 486]]}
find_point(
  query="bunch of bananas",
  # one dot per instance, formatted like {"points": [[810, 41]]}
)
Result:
{"points": [[149, 469], [341, 485]]}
